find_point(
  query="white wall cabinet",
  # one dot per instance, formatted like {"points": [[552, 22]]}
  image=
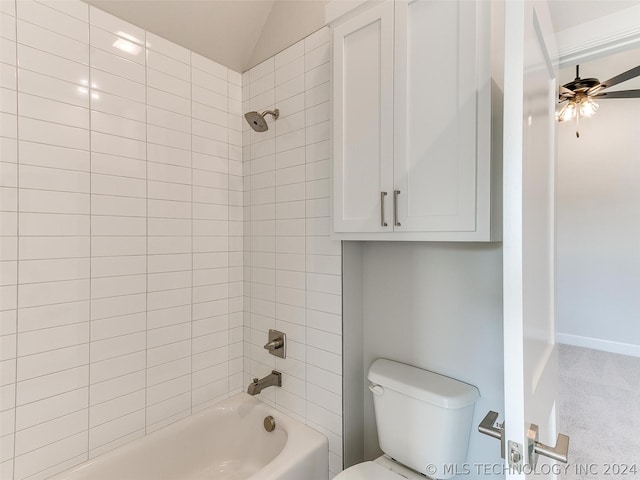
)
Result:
{"points": [[413, 100], [363, 130]]}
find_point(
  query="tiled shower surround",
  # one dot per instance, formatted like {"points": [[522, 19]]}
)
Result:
{"points": [[121, 203], [292, 267], [144, 252]]}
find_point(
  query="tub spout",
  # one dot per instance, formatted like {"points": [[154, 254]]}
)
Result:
{"points": [[274, 379]]}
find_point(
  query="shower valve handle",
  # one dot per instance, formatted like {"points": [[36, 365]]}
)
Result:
{"points": [[277, 344], [273, 345]]}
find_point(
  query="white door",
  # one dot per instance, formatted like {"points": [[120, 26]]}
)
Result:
{"points": [[530, 352], [436, 101], [363, 121]]}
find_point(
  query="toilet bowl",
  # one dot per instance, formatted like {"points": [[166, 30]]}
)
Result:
{"points": [[423, 420]]}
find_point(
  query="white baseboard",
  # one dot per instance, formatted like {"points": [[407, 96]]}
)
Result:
{"points": [[599, 344]]}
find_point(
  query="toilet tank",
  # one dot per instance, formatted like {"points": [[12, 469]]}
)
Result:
{"points": [[423, 418]]}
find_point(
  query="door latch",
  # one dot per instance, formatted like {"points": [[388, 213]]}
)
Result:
{"points": [[515, 455]]}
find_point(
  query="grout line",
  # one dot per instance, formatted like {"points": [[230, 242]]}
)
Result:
{"points": [[112, 444], [29, 94], [72, 368], [146, 297], [59, 393], [209, 73], [228, 381], [192, 243], [165, 422], [198, 118], [91, 427], [173, 397], [57, 146], [56, 441], [170, 57], [15, 393], [54, 418], [54, 31], [173, 77], [247, 187], [306, 385], [173, 360], [56, 467], [90, 83]]}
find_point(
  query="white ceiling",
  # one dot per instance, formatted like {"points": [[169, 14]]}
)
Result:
{"points": [[227, 31], [569, 13], [224, 30], [242, 33], [606, 68]]}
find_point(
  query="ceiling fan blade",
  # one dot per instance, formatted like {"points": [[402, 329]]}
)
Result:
{"points": [[623, 77], [621, 94], [566, 93]]}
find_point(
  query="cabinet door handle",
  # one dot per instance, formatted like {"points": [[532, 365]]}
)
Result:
{"points": [[395, 208], [382, 221]]}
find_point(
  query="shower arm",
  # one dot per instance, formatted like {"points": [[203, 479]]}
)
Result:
{"points": [[274, 113]]}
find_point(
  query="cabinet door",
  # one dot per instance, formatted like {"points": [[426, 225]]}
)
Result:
{"points": [[436, 77], [363, 121]]}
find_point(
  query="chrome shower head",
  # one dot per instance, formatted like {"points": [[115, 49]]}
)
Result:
{"points": [[257, 122]]}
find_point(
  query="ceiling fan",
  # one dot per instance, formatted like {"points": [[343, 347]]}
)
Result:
{"points": [[580, 95]]}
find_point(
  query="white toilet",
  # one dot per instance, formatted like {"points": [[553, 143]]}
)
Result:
{"points": [[423, 419]]}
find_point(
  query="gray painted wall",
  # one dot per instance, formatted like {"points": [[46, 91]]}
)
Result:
{"points": [[439, 307]]}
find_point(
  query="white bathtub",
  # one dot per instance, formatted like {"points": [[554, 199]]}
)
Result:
{"points": [[224, 442]]}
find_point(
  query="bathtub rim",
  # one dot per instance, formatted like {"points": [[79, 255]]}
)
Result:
{"points": [[293, 452]]}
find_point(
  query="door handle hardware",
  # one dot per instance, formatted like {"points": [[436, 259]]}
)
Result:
{"points": [[559, 452], [395, 208], [382, 221], [487, 427]]}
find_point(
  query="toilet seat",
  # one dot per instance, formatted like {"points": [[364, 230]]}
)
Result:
{"points": [[382, 468], [368, 471]]}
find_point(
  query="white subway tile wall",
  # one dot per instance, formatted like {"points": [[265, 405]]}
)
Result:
{"points": [[169, 234], [118, 236], [121, 224], [149, 238], [292, 267]]}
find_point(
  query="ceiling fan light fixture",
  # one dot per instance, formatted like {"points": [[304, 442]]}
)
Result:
{"points": [[588, 107], [567, 112], [578, 95]]}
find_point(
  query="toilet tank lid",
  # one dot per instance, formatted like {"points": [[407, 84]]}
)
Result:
{"points": [[423, 385]]}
